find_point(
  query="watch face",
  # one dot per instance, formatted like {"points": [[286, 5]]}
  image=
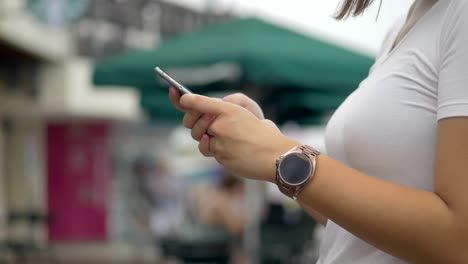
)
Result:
{"points": [[295, 168]]}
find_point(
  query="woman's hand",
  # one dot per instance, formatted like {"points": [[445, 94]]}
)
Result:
{"points": [[192, 117], [237, 98], [245, 145]]}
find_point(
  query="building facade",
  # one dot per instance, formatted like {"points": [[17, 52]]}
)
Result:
{"points": [[110, 26]]}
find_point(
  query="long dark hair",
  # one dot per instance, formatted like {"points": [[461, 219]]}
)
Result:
{"points": [[353, 8]]}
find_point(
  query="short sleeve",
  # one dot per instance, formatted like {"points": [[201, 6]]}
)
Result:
{"points": [[453, 72]]}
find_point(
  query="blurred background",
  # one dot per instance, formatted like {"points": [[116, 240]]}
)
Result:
{"points": [[94, 165]]}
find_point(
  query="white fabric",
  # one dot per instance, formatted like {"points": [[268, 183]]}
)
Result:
{"points": [[387, 127], [417, 10]]}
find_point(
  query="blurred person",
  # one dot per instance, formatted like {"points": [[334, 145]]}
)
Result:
{"points": [[225, 208], [393, 186], [166, 193], [140, 199], [157, 196]]}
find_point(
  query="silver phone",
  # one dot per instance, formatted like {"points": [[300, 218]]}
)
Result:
{"points": [[182, 89]]}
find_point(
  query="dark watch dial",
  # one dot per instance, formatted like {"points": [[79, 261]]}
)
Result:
{"points": [[295, 168]]}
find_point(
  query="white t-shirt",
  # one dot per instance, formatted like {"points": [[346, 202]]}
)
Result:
{"points": [[387, 127]]}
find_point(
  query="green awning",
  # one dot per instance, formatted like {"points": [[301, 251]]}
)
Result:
{"points": [[237, 54], [266, 54], [158, 106]]}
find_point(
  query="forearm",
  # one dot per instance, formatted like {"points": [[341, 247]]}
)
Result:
{"points": [[320, 218], [408, 223]]}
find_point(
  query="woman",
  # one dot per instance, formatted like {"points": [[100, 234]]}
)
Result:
{"points": [[394, 188]]}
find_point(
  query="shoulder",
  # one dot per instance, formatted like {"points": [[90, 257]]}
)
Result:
{"points": [[454, 30]]}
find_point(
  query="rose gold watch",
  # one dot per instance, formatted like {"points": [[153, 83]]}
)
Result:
{"points": [[295, 169]]}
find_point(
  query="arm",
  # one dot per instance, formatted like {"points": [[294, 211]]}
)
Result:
{"points": [[419, 226], [320, 218]]}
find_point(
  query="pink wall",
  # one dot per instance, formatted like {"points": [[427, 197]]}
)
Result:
{"points": [[78, 181]]}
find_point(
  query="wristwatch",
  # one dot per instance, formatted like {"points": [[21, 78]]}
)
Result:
{"points": [[295, 169]]}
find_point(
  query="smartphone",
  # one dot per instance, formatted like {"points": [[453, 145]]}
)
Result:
{"points": [[182, 89]]}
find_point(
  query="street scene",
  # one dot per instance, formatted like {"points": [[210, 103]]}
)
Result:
{"points": [[97, 164]]}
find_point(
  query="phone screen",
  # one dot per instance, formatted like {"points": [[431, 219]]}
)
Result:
{"points": [[182, 89]]}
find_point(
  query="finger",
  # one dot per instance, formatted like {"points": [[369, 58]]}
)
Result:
{"points": [[204, 104], [212, 145], [247, 103], [174, 95], [201, 126], [237, 98], [270, 124], [204, 146], [191, 118]]}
